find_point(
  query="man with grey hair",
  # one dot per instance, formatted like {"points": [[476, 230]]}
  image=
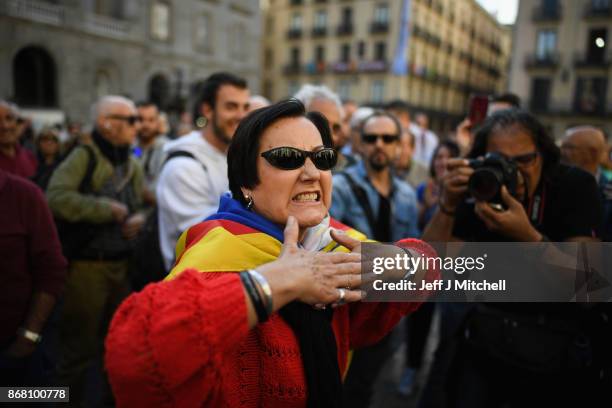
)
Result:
{"points": [[320, 98], [96, 196], [257, 102], [13, 158]]}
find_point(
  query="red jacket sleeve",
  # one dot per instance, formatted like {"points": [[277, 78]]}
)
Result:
{"points": [[47, 264], [166, 343]]}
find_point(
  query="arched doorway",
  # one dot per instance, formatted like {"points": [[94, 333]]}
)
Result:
{"points": [[34, 78], [159, 91]]}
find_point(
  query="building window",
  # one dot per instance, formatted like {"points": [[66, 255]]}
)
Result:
{"points": [[550, 7], [344, 89], [237, 35], [540, 94], [590, 97], [295, 57], [159, 91], [268, 58], [381, 14], [296, 22], [381, 51], [320, 21], [34, 78], [345, 53], [596, 48], [347, 16], [102, 84], [546, 44], [203, 32], [378, 91], [269, 25], [320, 54], [160, 21], [600, 5], [361, 49]]}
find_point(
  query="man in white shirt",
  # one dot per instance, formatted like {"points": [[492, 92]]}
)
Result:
{"points": [[426, 141], [195, 175]]}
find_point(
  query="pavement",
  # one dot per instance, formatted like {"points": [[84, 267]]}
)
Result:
{"points": [[385, 394]]}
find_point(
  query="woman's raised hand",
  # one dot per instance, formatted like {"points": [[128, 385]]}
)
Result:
{"points": [[316, 278]]}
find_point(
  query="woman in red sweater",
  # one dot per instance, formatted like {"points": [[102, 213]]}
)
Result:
{"points": [[244, 318]]}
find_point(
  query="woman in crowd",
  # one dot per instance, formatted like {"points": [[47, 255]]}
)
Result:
{"points": [[49, 156], [428, 192], [245, 318]]}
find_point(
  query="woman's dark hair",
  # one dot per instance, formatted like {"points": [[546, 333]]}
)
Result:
{"points": [[505, 120], [453, 149], [244, 149]]}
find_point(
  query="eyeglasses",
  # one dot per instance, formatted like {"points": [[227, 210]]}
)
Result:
{"points": [[524, 159], [131, 119], [291, 158], [371, 138]]}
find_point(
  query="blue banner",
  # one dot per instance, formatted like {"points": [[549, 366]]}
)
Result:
{"points": [[400, 60]]}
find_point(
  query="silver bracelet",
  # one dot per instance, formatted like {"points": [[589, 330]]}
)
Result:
{"points": [[265, 287]]}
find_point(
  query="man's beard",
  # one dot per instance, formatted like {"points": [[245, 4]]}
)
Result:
{"points": [[378, 165], [219, 132]]}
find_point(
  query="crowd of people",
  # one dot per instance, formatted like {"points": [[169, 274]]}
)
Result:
{"points": [[125, 211]]}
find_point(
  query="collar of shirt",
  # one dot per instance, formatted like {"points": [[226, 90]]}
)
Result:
{"points": [[363, 174]]}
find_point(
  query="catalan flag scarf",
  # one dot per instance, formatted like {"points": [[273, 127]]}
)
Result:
{"points": [[235, 239]]}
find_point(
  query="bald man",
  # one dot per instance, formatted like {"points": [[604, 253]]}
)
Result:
{"points": [[584, 147], [96, 193]]}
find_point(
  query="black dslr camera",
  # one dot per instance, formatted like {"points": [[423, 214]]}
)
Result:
{"points": [[490, 174]]}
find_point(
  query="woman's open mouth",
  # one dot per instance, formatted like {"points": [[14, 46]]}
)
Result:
{"points": [[307, 197]]}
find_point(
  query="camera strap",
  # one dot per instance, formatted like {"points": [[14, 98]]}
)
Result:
{"points": [[536, 205]]}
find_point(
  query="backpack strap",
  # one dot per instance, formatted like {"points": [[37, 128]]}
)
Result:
{"points": [[85, 185], [183, 153], [362, 199]]}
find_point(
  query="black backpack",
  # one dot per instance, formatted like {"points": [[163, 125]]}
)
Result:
{"points": [[147, 263], [74, 236]]}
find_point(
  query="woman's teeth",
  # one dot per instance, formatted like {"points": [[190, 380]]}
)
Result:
{"points": [[306, 197]]}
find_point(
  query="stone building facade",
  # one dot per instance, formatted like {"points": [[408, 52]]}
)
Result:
{"points": [[561, 62], [60, 55], [431, 53]]}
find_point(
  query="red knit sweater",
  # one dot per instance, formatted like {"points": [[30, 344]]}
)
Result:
{"points": [[185, 343]]}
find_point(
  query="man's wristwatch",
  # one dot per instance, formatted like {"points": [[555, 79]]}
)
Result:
{"points": [[30, 335]]}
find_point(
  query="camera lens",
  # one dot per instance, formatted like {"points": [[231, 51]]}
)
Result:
{"points": [[485, 183]]}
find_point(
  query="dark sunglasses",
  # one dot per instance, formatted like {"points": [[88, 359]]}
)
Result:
{"points": [[131, 120], [526, 158], [371, 138], [290, 158]]}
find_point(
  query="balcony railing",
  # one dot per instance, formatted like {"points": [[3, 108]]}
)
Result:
{"points": [[550, 60], [592, 11], [378, 27], [106, 26], [343, 67], [345, 29], [293, 68], [294, 33], [34, 10], [547, 14], [315, 67], [373, 66], [318, 32], [592, 61]]}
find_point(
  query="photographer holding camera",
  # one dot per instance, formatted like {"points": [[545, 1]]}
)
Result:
{"points": [[511, 188]]}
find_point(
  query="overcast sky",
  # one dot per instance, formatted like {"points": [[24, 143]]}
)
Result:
{"points": [[505, 9]]}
